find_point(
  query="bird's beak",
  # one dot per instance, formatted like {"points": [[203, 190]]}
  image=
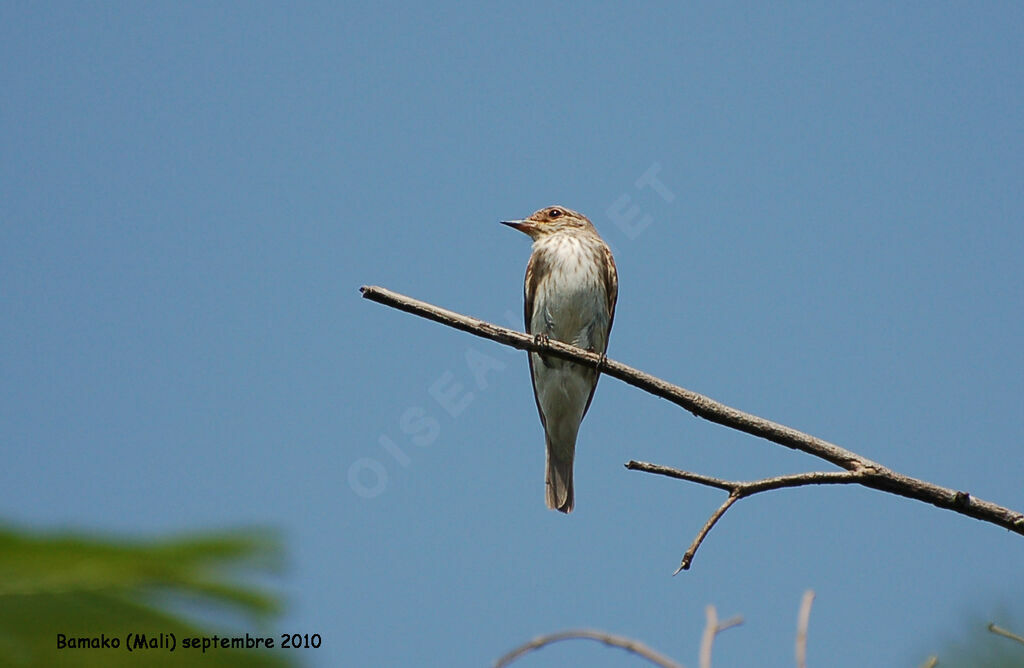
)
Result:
{"points": [[522, 225]]}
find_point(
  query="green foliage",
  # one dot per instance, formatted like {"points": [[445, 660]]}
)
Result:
{"points": [[89, 587]]}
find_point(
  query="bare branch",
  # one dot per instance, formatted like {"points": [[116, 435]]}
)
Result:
{"points": [[715, 516], [627, 644], [999, 631], [743, 489], [712, 629], [931, 662], [802, 620], [737, 490], [870, 474]]}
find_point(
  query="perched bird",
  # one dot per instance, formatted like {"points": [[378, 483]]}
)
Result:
{"points": [[570, 292]]}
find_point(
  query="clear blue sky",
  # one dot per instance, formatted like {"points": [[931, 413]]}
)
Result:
{"points": [[190, 196]]}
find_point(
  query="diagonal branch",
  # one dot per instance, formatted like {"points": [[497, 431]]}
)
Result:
{"points": [[738, 490], [1000, 631], [871, 474], [623, 642]]}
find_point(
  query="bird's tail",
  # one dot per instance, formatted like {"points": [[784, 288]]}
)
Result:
{"points": [[558, 481]]}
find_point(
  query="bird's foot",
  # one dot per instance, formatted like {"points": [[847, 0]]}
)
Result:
{"points": [[542, 339]]}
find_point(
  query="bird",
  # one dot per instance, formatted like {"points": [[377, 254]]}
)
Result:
{"points": [[569, 295]]}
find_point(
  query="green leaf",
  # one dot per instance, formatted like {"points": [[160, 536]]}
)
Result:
{"points": [[89, 587]]}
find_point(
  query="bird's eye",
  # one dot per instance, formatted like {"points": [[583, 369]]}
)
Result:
{"points": [[554, 213]]}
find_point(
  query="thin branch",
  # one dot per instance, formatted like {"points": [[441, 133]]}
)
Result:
{"points": [[712, 629], [871, 474], [743, 489], [715, 516], [802, 620], [999, 631], [738, 490], [627, 644], [708, 639], [931, 662]]}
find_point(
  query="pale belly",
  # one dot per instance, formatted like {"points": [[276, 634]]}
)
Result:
{"points": [[572, 310]]}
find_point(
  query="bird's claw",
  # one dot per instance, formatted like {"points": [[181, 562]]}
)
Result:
{"points": [[541, 339]]}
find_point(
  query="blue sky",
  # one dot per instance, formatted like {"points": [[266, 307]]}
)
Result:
{"points": [[191, 195]]}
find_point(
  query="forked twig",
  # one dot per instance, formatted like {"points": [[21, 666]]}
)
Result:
{"points": [[737, 490], [711, 630]]}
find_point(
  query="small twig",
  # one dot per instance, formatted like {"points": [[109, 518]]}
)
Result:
{"points": [[712, 629], [931, 662], [802, 620], [627, 644], [999, 631], [871, 474], [747, 488], [739, 489], [715, 516]]}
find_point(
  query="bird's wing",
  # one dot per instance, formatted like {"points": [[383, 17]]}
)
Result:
{"points": [[534, 270], [610, 280], [611, 285]]}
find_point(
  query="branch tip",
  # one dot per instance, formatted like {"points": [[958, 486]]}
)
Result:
{"points": [[1003, 632]]}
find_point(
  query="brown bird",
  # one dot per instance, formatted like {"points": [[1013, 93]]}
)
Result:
{"points": [[570, 292]]}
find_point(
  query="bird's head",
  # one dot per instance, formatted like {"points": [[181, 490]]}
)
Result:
{"points": [[548, 221]]}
